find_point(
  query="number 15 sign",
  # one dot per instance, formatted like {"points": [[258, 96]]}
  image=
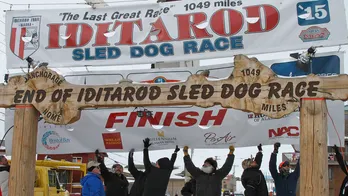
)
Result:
{"points": [[313, 12]]}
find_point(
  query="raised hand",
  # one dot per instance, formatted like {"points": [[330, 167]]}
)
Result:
{"points": [[147, 143], [131, 153], [259, 147], [177, 149], [276, 147]]}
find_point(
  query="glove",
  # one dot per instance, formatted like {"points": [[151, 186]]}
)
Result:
{"points": [[99, 157], [185, 150], [276, 147], [259, 147], [231, 149], [147, 143], [131, 153], [177, 149]]}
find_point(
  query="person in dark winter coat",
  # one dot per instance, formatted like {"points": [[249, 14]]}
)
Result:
{"points": [[116, 183], [285, 182], [139, 177], [157, 176], [209, 178], [253, 179], [189, 188], [91, 183], [343, 165]]}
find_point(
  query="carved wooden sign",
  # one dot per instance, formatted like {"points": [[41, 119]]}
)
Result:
{"points": [[252, 87]]}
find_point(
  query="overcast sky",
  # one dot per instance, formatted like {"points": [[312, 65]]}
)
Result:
{"points": [[200, 155]]}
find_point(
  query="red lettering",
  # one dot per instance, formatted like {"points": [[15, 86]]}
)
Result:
{"points": [[85, 35], [183, 117], [163, 35], [126, 37], [271, 18], [284, 130], [53, 36], [218, 22], [131, 120], [112, 119], [168, 119], [185, 26], [152, 120], [207, 116], [100, 38]]}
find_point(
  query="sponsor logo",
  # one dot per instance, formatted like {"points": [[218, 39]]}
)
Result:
{"points": [[284, 132], [25, 36], [162, 140], [314, 34], [313, 12], [257, 118], [159, 79], [112, 140], [51, 140], [212, 138]]}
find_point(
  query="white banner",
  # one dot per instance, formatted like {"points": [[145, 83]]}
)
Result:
{"points": [[121, 129], [173, 31]]}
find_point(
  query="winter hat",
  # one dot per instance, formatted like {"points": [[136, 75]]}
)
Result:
{"points": [[164, 163], [246, 163], [283, 164], [212, 162]]}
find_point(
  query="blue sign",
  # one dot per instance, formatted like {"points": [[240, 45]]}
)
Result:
{"points": [[327, 65], [313, 12]]}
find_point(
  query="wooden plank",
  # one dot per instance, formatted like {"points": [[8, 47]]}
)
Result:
{"points": [[313, 141], [252, 87], [22, 175]]}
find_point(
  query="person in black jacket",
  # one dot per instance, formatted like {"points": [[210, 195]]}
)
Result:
{"points": [[157, 176], [139, 177], [189, 188], [285, 182], [253, 179], [343, 165], [116, 183]]}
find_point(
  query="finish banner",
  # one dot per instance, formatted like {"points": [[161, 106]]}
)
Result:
{"points": [[173, 31], [121, 129]]}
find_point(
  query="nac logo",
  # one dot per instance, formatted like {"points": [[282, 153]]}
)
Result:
{"points": [[291, 131], [51, 140]]}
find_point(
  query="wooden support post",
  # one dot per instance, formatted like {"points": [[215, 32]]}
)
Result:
{"points": [[313, 140], [22, 174]]}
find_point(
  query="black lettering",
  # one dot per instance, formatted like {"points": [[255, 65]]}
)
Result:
{"points": [[67, 94], [90, 94], [141, 93], [227, 91], [284, 106], [289, 89], [241, 91], [194, 90], [312, 88], [129, 93], [279, 108], [79, 98], [18, 96], [299, 92], [264, 107], [173, 95], [155, 92], [255, 90], [99, 94], [107, 93], [208, 91], [57, 95], [182, 95], [275, 87], [117, 94], [28, 95], [41, 95]]}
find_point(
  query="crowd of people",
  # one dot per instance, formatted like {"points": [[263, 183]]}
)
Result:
{"points": [[205, 181]]}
